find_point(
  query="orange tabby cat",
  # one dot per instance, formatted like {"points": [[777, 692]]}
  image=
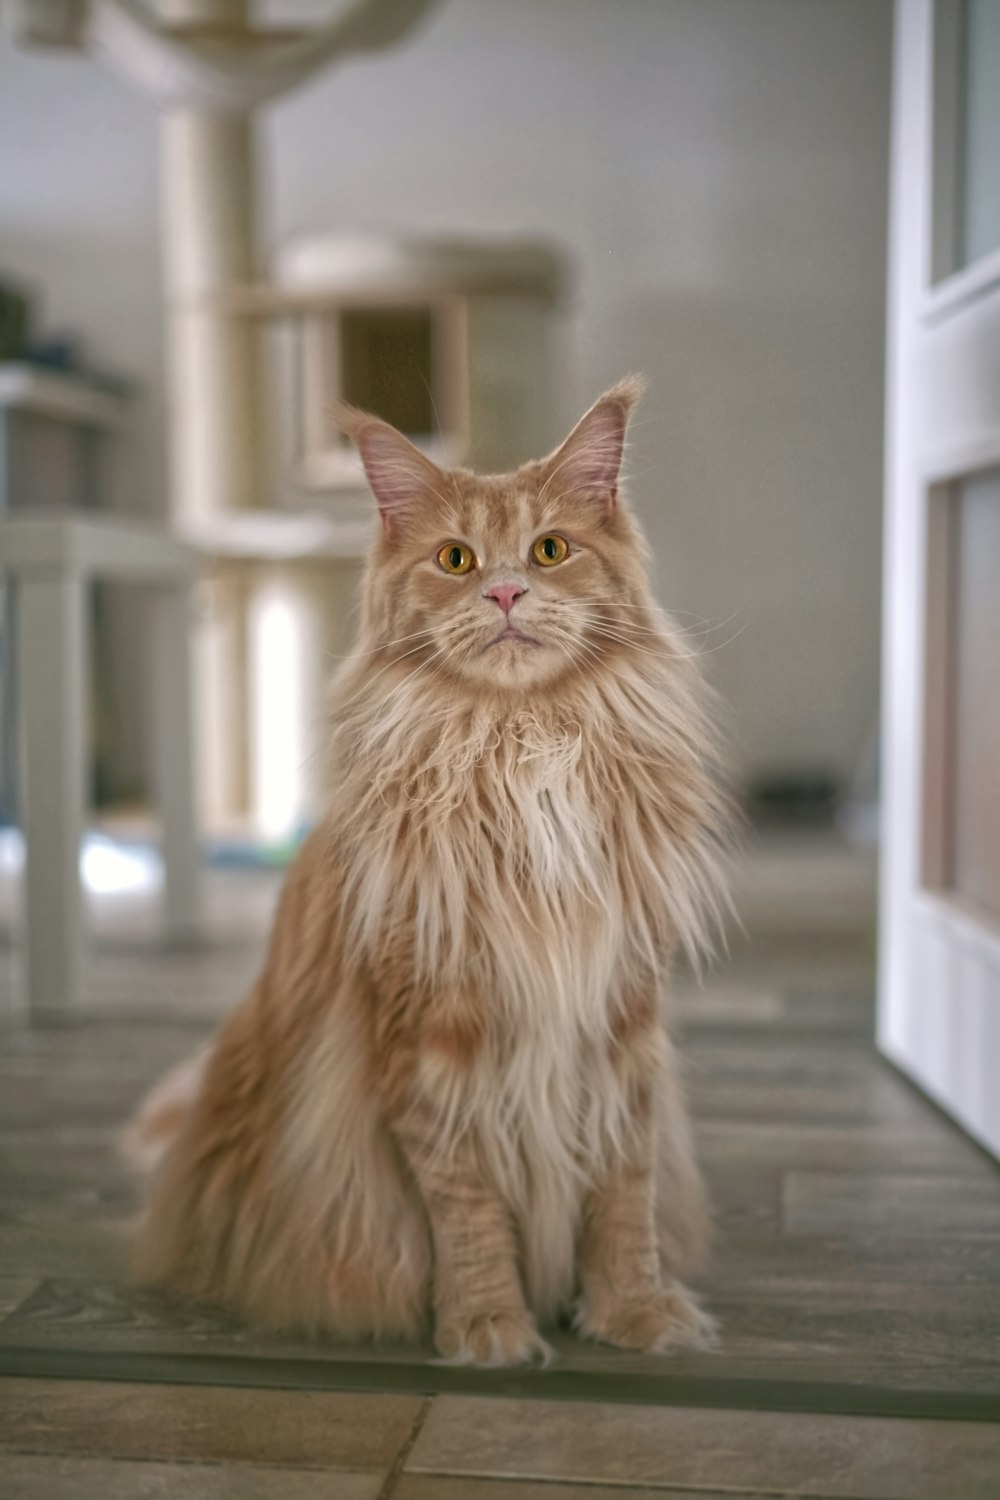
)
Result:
{"points": [[450, 1092]]}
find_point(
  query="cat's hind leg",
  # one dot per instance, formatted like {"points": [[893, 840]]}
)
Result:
{"points": [[682, 1212], [165, 1109]]}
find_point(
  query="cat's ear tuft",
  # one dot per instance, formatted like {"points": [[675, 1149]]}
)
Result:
{"points": [[589, 462], [400, 476]]}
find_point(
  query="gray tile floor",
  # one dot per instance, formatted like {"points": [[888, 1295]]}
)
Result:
{"points": [[80, 1439], [856, 1273]]}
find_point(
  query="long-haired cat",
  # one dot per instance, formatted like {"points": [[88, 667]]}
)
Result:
{"points": [[450, 1096]]}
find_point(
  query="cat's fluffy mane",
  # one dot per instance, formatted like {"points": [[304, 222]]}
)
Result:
{"points": [[462, 976], [635, 743]]}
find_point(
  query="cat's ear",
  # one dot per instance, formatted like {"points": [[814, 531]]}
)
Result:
{"points": [[400, 476], [589, 462]]}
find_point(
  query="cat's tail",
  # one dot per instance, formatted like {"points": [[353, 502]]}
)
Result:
{"points": [[148, 1137]]}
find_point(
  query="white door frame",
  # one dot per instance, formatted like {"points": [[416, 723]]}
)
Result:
{"points": [[939, 971]]}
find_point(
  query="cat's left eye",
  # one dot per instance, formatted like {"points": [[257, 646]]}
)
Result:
{"points": [[550, 549]]}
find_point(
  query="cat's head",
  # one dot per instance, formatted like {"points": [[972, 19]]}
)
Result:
{"points": [[508, 580]]}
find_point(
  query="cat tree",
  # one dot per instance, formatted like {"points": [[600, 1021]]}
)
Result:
{"points": [[258, 479], [207, 68]]}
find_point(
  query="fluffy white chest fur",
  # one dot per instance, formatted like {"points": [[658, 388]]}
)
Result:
{"points": [[512, 880]]}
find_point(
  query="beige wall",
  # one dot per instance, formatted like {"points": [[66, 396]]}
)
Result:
{"points": [[717, 170]]}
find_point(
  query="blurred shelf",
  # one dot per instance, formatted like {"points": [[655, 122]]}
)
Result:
{"points": [[325, 273], [806, 881], [270, 536], [47, 393]]}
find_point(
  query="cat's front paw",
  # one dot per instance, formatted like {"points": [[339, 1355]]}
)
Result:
{"points": [[491, 1339], [652, 1324]]}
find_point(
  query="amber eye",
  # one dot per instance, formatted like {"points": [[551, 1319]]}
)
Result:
{"points": [[549, 550], [455, 557]]}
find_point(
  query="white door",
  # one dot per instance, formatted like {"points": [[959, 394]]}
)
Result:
{"points": [[939, 983]]}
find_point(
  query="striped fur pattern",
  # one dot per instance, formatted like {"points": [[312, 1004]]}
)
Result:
{"points": [[450, 1103]]}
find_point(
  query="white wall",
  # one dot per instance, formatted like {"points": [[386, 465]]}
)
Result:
{"points": [[717, 170]]}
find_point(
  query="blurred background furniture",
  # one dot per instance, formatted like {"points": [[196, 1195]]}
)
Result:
{"points": [[57, 434], [51, 562], [208, 66]]}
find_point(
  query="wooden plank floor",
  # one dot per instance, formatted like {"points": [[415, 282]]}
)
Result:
{"points": [[857, 1256], [856, 1272]]}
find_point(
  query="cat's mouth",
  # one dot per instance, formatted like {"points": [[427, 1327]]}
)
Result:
{"points": [[511, 633]]}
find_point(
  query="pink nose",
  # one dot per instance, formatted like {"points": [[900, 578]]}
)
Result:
{"points": [[506, 594]]}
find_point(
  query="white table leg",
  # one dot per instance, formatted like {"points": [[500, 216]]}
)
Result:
{"points": [[172, 752], [53, 679]]}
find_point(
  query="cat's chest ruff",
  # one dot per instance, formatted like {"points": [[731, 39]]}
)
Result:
{"points": [[543, 832], [498, 860]]}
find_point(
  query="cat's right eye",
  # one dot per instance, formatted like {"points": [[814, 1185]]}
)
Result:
{"points": [[455, 557]]}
